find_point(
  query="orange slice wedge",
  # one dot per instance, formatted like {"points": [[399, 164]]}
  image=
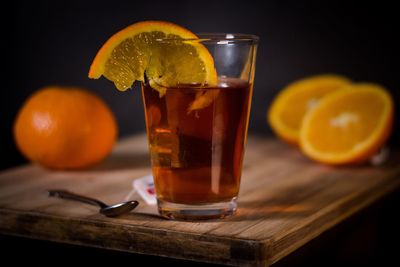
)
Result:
{"points": [[288, 109], [155, 49], [348, 126]]}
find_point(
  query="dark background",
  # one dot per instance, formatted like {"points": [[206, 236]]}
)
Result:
{"points": [[54, 42]]}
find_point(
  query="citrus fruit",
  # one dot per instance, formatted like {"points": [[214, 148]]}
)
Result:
{"points": [[348, 126], [288, 109], [65, 128], [155, 50]]}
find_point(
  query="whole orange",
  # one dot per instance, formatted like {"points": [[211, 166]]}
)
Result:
{"points": [[65, 128]]}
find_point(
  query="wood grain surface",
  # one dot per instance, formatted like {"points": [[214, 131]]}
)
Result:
{"points": [[285, 201]]}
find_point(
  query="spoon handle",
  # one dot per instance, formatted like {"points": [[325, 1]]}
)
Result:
{"points": [[72, 196]]}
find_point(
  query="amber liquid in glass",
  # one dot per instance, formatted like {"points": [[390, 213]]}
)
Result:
{"points": [[197, 154]]}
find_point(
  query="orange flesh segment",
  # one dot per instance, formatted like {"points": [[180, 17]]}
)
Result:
{"points": [[349, 125]]}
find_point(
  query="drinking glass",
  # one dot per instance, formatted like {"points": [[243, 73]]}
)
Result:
{"points": [[196, 133]]}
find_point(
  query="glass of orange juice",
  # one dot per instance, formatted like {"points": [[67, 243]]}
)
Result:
{"points": [[197, 132]]}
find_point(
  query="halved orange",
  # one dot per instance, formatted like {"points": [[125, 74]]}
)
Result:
{"points": [[154, 49], [348, 126], [288, 109]]}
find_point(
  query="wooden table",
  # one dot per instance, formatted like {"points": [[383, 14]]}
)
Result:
{"points": [[285, 201]]}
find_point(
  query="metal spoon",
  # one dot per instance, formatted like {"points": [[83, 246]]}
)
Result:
{"points": [[109, 211]]}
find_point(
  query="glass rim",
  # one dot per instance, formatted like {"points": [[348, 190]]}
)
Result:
{"points": [[218, 38]]}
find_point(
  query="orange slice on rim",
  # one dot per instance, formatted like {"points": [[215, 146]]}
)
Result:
{"points": [[155, 49]]}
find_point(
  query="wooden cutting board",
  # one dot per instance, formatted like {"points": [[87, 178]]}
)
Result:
{"points": [[285, 201]]}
